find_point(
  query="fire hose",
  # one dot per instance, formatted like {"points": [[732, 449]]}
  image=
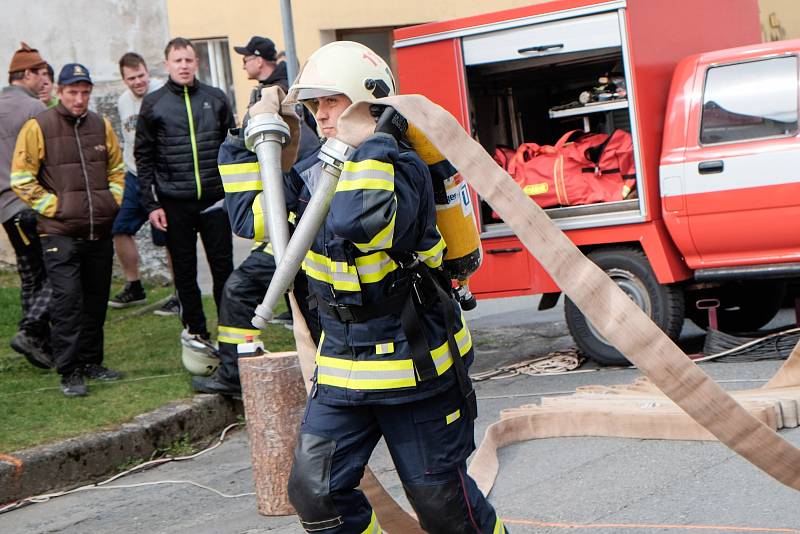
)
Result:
{"points": [[612, 313]]}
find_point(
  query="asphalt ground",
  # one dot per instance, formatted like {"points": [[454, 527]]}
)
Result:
{"points": [[597, 485]]}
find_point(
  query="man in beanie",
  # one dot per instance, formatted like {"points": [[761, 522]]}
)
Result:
{"points": [[27, 75], [68, 167]]}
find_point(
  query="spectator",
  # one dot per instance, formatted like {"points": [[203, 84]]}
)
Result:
{"points": [[132, 214], [18, 103], [180, 129], [46, 94], [68, 167]]}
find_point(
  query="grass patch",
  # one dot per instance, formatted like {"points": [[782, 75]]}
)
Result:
{"points": [[145, 346]]}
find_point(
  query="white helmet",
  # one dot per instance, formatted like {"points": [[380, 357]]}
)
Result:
{"points": [[343, 67], [198, 356]]}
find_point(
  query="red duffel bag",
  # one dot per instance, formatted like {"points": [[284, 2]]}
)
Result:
{"points": [[584, 171]]}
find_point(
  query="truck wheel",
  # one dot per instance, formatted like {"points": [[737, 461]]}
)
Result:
{"points": [[631, 271], [744, 307]]}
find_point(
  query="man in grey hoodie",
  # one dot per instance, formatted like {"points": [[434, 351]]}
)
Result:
{"points": [[19, 102]]}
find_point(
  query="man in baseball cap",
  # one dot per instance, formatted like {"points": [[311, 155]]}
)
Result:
{"points": [[259, 60], [72, 73]]}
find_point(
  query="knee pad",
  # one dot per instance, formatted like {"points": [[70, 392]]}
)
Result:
{"points": [[309, 483], [440, 508]]}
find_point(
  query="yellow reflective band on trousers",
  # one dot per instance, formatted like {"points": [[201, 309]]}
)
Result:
{"points": [[367, 174], [499, 528], [383, 239], [374, 527], [240, 177], [384, 373], [236, 336], [434, 255]]}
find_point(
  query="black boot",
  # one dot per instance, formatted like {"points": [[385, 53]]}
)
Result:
{"points": [[214, 384]]}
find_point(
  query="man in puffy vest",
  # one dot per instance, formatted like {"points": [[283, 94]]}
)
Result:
{"points": [[178, 134], [394, 350], [68, 167]]}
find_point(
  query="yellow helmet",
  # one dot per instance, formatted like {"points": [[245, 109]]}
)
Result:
{"points": [[343, 67]]}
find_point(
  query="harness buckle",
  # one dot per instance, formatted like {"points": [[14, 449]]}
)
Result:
{"points": [[343, 312]]}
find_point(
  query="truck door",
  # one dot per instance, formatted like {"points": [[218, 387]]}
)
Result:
{"points": [[742, 174]]}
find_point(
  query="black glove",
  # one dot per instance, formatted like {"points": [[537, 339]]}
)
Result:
{"points": [[389, 121]]}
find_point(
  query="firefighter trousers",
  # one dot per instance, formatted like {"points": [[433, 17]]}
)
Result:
{"points": [[243, 291], [429, 441]]}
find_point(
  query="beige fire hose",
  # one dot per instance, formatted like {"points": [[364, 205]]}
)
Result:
{"points": [[613, 314]]}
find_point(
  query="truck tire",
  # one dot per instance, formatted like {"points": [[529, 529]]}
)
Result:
{"points": [[629, 268], [743, 307]]}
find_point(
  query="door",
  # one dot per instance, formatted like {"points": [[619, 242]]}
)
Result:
{"points": [[742, 177]]}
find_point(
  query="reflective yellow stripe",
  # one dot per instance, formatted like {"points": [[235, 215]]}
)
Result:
{"points": [[433, 256], [384, 374], [382, 240], [236, 336], [374, 527], [21, 178], [46, 205], [258, 219], [452, 417], [117, 168], [384, 348], [374, 267], [115, 188], [499, 528], [340, 275], [239, 177], [367, 174]]}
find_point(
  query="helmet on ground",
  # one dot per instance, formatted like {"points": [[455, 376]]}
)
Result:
{"points": [[343, 67], [198, 357]]}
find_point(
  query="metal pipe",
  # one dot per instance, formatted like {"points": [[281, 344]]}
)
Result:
{"points": [[266, 134], [333, 155], [288, 38]]}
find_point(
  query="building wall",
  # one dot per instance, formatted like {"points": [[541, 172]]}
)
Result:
{"points": [[784, 22], [95, 33], [315, 21]]}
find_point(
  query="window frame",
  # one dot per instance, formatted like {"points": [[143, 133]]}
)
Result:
{"points": [[222, 44], [712, 66]]}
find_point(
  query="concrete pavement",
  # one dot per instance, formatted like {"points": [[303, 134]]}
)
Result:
{"points": [[597, 485]]}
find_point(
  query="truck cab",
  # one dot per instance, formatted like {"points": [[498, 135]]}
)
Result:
{"points": [[712, 120]]}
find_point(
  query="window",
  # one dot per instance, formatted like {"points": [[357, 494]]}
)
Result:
{"points": [[750, 100], [215, 66]]}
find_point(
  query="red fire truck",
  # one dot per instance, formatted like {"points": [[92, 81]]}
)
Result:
{"points": [[713, 115]]}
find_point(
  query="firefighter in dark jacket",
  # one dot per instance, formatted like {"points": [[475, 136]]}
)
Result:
{"points": [[68, 167], [379, 253], [180, 129]]}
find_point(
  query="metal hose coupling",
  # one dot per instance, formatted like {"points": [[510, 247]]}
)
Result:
{"points": [[333, 155], [266, 127]]}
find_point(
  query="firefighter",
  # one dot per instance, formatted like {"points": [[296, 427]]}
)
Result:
{"points": [[394, 350]]}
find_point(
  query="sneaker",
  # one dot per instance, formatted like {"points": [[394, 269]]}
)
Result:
{"points": [[34, 350], [128, 297], [74, 385], [213, 384], [284, 318], [170, 307], [98, 372]]}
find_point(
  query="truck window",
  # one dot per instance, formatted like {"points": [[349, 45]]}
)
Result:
{"points": [[751, 100]]}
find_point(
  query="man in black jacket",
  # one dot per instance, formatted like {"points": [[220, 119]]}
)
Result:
{"points": [[178, 134]]}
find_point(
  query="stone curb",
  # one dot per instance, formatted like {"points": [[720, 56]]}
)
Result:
{"points": [[93, 457]]}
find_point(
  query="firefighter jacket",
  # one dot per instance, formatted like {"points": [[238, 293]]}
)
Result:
{"points": [[383, 207], [178, 135], [70, 170]]}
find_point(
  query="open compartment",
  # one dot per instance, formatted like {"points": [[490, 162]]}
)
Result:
{"points": [[537, 100]]}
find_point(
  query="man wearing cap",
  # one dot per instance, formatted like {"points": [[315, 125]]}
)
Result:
{"points": [[68, 167], [27, 74]]}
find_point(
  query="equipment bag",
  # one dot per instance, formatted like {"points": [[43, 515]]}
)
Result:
{"points": [[587, 170]]}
